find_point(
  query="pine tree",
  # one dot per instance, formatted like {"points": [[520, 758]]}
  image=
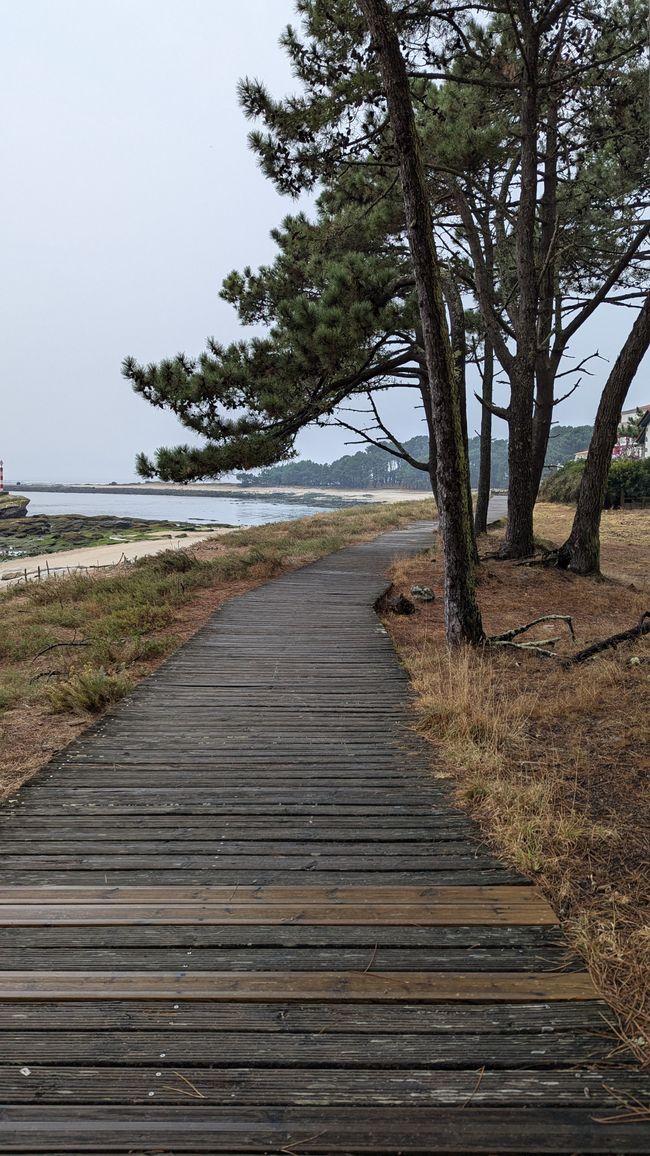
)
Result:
{"points": [[581, 551], [462, 614], [338, 303], [532, 125]]}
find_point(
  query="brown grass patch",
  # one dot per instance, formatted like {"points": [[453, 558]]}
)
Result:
{"points": [[553, 763], [70, 647], [625, 534]]}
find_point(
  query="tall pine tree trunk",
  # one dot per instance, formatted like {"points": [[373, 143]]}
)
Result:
{"points": [[485, 462], [458, 336], [519, 532], [462, 614], [545, 374], [581, 551], [541, 425], [428, 413]]}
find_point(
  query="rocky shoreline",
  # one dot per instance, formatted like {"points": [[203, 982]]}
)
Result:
{"points": [[12, 506], [22, 537]]}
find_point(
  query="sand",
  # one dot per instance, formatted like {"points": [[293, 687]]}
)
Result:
{"points": [[225, 489], [100, 555]]}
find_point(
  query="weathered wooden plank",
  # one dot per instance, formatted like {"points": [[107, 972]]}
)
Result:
{"points": [[311, 1087], [99, 831], [541, 1018], [346, 1050], [405, 896], [262, 874], [466, 937], [318, 1130], [298, 912], [307, 861], [292, 958], [336, 986], [224, 846]]}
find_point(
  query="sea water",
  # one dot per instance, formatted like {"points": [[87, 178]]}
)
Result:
{"points": [[202, 509]]}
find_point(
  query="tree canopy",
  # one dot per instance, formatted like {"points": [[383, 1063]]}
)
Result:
{"points": [[529, 122]]}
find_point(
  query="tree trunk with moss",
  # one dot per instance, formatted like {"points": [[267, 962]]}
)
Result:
{"points": [[485, 460], [581, 551], [462, 614]]}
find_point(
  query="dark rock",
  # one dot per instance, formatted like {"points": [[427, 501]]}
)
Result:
{"points": [[401, 605]]}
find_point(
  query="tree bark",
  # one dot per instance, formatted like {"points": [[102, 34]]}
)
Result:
{"points": [[428, 413], [542, 422], [581, 551], [519, 533], [545, 374], [485, 462], [458, 336], [519, 541], [462, 614]]}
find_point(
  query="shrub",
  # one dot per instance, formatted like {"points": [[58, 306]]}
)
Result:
{"points": [[628, 482], [14, 688], [168, 562], [563, 484], [89, 689]]}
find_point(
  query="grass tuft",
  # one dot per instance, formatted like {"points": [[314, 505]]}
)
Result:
{"points": [[89, 690]]}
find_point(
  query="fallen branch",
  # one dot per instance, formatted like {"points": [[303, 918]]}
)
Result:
{"points": [[54, 645], [529, 647], [642, 627], [508, 635]]}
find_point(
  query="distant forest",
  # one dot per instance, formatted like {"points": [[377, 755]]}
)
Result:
{"points": [[373, 468]]}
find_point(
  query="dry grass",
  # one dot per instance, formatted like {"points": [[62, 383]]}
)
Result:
{"points": [[625, 539], [552, 762], [70, 647]]}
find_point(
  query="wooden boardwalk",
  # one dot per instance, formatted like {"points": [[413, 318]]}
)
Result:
{"points": [[240, 915]]}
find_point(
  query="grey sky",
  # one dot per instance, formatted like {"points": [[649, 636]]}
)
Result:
{"points": [[128, 193]]}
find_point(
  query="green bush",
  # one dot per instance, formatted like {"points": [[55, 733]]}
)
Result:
{"points": [[168, 562], [628, 483], [563, 485], [90, 689]]}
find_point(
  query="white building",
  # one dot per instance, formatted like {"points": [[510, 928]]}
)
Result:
{"points": [[635, 445]]}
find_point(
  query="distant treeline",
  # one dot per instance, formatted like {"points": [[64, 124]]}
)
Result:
{"points": [[373, 468]]}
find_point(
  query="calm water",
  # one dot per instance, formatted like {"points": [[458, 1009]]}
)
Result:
{"points": [[172, 507]]}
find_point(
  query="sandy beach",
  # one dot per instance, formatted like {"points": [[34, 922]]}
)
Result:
{"points": [[224, 489], [110, 555], [228, 490]]}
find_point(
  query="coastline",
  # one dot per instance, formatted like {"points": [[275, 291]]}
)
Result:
{"points": [[299, 494]]}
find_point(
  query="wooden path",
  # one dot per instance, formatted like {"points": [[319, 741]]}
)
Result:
{"points": [[241, 916]]}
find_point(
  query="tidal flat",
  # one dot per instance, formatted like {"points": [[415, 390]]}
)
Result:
{"points": [[47, 534]]}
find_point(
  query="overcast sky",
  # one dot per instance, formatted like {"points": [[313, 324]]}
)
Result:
{"points": [[128, 193]]}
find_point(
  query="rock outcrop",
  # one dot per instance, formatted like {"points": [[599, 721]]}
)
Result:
{"points": [[13, 506]]}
